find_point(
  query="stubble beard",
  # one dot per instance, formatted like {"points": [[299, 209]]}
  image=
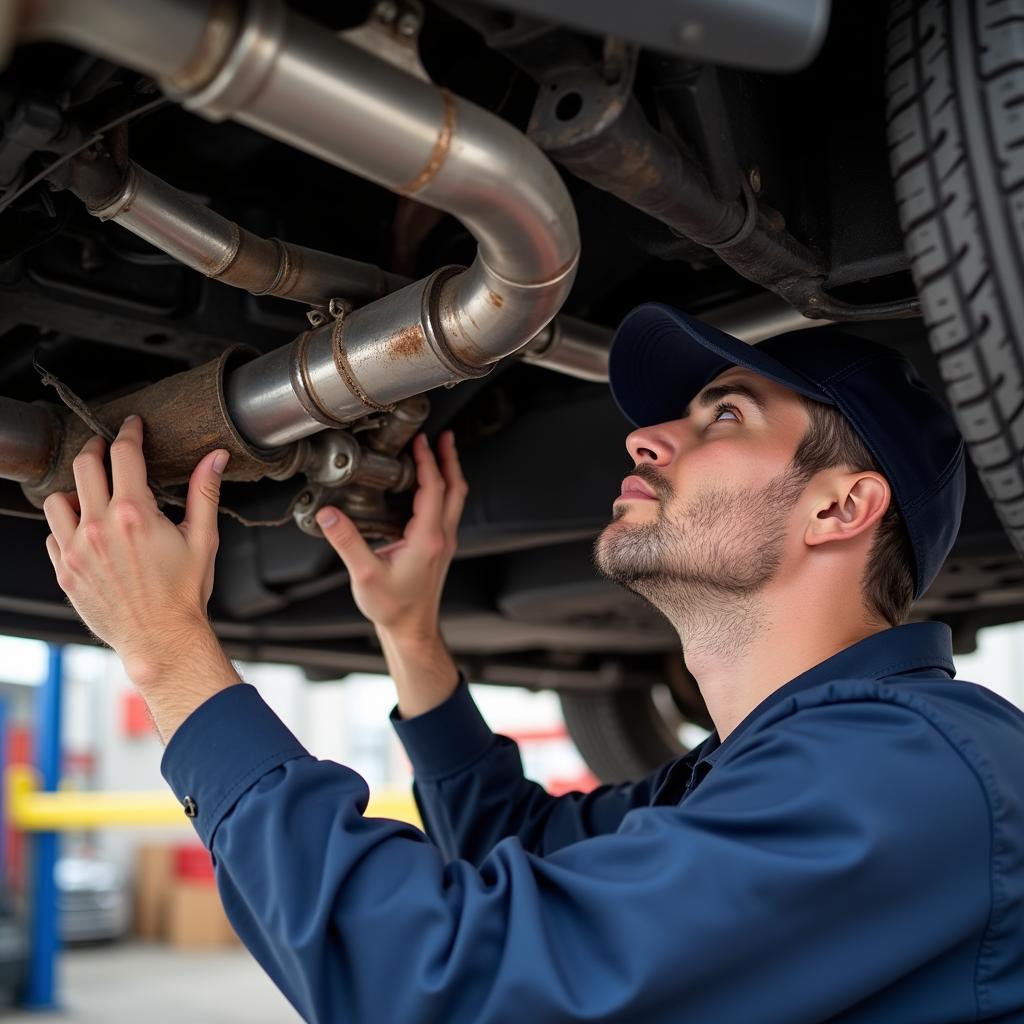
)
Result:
{"points": [[702, 564]]}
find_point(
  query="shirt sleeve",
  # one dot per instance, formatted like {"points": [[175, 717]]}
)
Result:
{"points": [[797, 880], [471, 791]]}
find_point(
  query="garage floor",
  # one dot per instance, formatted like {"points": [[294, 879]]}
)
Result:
{"points": [[151, 982]]}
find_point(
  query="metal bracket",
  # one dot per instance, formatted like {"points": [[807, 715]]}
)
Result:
{"points": [[341, 471], [575, 104], [392, 33], [337, 309], [362, 505]]}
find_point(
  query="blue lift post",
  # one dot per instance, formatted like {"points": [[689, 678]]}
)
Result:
{"points": [[44, 940]]}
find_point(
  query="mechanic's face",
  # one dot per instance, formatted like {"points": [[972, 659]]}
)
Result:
{"points": [[720, 517]]}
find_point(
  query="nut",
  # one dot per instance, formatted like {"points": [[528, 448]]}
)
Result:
{"points": [[408, 24]]}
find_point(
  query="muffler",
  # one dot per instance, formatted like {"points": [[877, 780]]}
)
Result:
{"points": [[185, 416]]}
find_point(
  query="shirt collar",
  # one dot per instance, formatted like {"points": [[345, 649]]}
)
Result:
{"points": [[897, 650]]}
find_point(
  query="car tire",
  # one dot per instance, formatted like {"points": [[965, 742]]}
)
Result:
{"points": [[625, 734], [955, 112]]}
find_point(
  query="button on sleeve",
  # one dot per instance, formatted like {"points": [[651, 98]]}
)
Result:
{"points": [[220, 750]]}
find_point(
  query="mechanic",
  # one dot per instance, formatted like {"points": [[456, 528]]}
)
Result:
{"points": [[847, 845]]}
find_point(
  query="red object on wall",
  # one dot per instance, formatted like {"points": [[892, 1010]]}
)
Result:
{"points": [[20, 745], [78, 762], [582, 783], [135, 720], [556, 732], [193, 862]]}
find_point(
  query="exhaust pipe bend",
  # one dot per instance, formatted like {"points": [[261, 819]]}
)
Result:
{"points": [[292, 80]]}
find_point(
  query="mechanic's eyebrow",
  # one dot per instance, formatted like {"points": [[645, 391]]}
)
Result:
{"points": [[710, 396]]}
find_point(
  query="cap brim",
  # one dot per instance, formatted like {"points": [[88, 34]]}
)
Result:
{"points": [[660, 358]]}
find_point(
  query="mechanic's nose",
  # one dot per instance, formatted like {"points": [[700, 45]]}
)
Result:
{"points": [[652, 445]]}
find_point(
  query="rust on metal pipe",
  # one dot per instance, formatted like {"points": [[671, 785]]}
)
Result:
{"points": [[29, 435], [184, 417]]}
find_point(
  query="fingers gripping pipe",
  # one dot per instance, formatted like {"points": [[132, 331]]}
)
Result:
{"points": [[291, 79]]}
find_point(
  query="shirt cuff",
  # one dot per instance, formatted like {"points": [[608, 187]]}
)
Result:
{"points": [[447, 739], [222, 748]]}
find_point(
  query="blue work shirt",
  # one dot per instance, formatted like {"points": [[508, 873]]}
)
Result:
{"points": [[853, 851]]}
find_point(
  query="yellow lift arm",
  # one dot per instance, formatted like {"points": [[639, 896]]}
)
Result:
{"points": [[31, 810]]}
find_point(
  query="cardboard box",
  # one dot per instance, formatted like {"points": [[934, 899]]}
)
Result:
{"points": [[153, 877], [195, 916]]}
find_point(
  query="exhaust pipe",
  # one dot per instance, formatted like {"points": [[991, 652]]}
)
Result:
{"points": [[222, 250], [28, 437], [213, 245], [580, 349], [291, 79], [35, 450]]}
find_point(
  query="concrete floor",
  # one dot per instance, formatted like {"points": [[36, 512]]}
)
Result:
{"points": [[126, 982]]}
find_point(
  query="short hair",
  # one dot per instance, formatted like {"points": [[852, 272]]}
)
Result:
{"points": [[887, 584]]}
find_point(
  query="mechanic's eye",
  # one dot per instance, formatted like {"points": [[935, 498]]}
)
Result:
{"points": [[724, 407]]}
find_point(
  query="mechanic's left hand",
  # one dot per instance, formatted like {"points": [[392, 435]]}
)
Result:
{"points": [[139, 582]]}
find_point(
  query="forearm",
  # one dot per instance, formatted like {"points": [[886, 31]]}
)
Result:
{"points": [[472, 793], [422, 669], [189, 668]]}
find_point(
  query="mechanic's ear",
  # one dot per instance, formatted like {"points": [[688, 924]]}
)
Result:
{"points": [[849, 504], [203, 499]]}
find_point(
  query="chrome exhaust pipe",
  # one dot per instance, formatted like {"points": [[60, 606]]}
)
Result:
{"points": [[224, 251], [573, 347], [291, 79], [217, 247], [760, 317], [580, 349]]}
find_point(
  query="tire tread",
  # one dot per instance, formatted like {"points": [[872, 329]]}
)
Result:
{"points": [[961, 207]]}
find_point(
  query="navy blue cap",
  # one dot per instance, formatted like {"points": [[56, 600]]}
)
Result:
{"points": [[661, 358]]}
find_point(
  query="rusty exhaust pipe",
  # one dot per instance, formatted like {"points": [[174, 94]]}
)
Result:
{"points": [[213, 245], [29, 435], [185, 417]]}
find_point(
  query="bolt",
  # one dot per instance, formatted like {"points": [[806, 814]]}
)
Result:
{"points": [[309, 521], [408, 24], [386, 11], [754, 177], [340, 461], [305, 498]]}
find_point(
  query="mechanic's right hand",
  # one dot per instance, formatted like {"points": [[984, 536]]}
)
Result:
{"points": [[398, 586]]}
